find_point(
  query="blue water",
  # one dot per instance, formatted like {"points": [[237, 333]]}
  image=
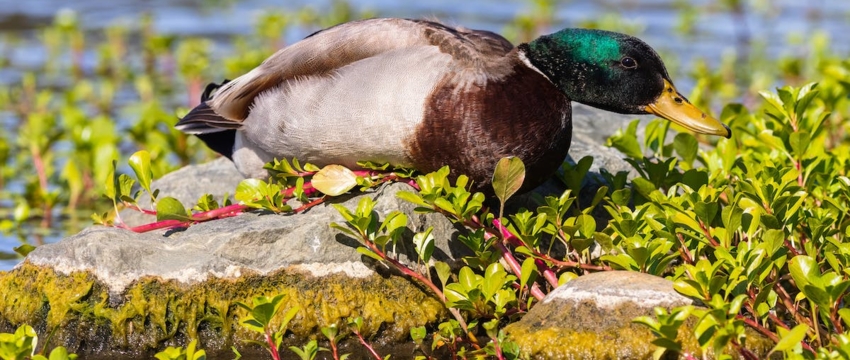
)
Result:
{"points": [[715, 31]]}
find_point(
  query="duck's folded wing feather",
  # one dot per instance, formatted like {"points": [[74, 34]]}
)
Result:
{"points": [[335, 47], [203, 120]]}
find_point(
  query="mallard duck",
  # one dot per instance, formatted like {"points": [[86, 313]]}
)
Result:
{"points": [[419, 94]]}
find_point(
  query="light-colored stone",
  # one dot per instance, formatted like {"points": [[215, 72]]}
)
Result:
{"points": [[591, 317], [224, 248], [609, 290]]}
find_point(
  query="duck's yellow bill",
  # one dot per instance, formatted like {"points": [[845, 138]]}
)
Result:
{"points": [[674, 107]]}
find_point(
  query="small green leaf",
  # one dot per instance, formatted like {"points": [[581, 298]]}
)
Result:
{"points": [[125, 187], [688, 288], [418, 334], [566, 277], [706, 211], [424, 243], [411, 198], [817, 295], [111, 185], [621, 197], [444, 204], [626, 141], [369, 253], [804, 270], [686, 146], [140, 162], [24, 249], [169, 208], [604, 240], [792, 338], [508, 177], [799, 142], [467, 279], [586, 225], [21, 212], [806, 95], [443, 272], [330, 332], [334, 180], [695, 178], [249, 190], [529, 272]]}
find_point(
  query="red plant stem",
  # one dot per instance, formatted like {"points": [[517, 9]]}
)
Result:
{"points": [[272, 348], [237, 209], [231, 210], [746, 353], [833, 314], [686, 253], [498, 349], [769, 334], [507, 235], [165, 224], [548, 274], [308, 190], [516, 268], [309, 205], [537, 293], [413, 184], [786, 300], [573, 264], [755, 325], [407, 271], [139, 209], [227, 211], [509, 258], [791, 248], [778, 321], [368, 347], [334, 350], [707, 234], [542, 256]]}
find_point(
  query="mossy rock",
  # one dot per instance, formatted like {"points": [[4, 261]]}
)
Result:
{"points": [[152, 313], [591, 318]]}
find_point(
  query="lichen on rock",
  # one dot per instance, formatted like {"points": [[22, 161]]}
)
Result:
{"points": [[153, 313]]}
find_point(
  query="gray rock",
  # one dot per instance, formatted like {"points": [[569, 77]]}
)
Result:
{"points": [[591, 317], [225, 248], [612, 289]]}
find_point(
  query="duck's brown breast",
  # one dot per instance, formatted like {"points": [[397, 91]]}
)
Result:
{"points": [[470, 127]]}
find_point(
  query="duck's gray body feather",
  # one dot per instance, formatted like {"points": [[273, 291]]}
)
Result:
{"points": [[353, 92]]}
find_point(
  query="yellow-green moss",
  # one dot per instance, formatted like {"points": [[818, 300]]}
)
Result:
{"points": [[152, 313], [585, 331]]}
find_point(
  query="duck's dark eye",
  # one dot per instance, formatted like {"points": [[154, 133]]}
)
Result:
{"points": [[628, 63]]}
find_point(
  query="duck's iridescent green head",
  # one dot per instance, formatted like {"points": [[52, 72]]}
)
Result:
{"points": [[615, 72]]}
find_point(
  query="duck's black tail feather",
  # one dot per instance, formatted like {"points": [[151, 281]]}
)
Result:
{"points": [[214, 130]]}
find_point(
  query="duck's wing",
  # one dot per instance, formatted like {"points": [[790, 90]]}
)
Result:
{"points": [[323, 52]]}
